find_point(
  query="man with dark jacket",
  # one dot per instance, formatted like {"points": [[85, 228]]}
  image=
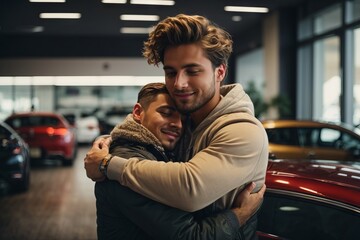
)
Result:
{"points": [[151, 132]]}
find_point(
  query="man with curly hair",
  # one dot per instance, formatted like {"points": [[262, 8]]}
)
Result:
{"points": [[224, 146]]}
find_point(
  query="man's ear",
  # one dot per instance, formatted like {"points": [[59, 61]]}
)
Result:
{"points": [[137, 110], [220, 72]]}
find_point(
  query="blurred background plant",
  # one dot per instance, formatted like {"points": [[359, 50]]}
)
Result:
{"points": [[281, 103]]}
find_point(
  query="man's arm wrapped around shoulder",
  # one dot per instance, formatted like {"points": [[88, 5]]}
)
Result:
{"points": [[237, 154], [157, 220]]}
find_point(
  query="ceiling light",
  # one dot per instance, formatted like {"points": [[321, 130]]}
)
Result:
{"points": [[114, 1], [153, 2], [81, 80], [130, 17], [135, 30], [31, 29], [60, 15], [48, 1], [246, 9], [38, 29], [236, 18]]}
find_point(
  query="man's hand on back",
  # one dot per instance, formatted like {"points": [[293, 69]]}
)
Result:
{"points": [[247, 203], [95, 155]]}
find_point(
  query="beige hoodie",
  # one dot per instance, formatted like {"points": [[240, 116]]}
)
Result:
{"points": [[229, 149]]}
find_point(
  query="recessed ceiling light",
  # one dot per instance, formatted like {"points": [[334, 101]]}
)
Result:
{"points": [[153, 2], [60, 15], [236, 18], [114, 1], [132, 17], [30, 29], [135, 30], [48, 1], [246, 9], [38, 29]]}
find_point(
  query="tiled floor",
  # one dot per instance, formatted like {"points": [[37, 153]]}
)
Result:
{"points": [[60, 204]]}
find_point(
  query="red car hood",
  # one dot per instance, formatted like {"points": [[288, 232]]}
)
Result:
{"points": [[335, 180]]}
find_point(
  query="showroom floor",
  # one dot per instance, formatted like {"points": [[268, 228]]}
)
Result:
{"points": [[60, 204]]}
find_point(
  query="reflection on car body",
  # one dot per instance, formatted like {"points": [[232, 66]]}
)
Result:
{"points": [[311, 199], [14, 159], [297, 139], [48, 135]]}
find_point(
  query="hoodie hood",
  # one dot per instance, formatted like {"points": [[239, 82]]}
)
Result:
{"points": [[234, 100], [130, 130]]}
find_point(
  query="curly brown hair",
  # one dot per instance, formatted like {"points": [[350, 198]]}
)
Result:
{"points": [[186, 29]]}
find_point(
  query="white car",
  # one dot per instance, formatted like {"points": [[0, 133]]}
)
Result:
{"points": [[86, 127]]}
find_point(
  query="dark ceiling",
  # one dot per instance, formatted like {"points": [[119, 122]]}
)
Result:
{"points": [[97, 32]]}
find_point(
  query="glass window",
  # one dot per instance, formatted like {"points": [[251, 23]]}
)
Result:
{"points": [[352, 10], [329, 135], [320, 69], [349, 142], [327, 81], [304, 98], [328, 19], [285, 136], [296, 218], [250, 68], [356, 87], [33, 121], [304, 28], [6, 101], [308, 137]]}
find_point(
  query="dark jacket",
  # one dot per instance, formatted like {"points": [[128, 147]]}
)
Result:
{"points": [[120, 210]]}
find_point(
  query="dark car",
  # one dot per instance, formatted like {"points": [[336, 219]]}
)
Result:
{"points": [[311, 199], [49, 135], [299, 139], [14, 160]]}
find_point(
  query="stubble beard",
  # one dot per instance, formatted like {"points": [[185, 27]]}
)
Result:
{"points": [[197, 104]]}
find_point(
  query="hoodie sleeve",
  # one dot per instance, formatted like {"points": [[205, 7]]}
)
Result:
{"points": [[236, 154]]}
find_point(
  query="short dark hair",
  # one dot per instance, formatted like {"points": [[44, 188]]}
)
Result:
{"points": [[149, 92]]}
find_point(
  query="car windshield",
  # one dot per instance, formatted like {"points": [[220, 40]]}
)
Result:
{"points": [[33, 121], [4, 134], [357, 130]]}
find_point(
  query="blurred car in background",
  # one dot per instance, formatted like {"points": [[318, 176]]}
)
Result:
{"points": [[311, 199], [299, 139], [14, 160], [86, 126], [109, 118], [49, 135]]}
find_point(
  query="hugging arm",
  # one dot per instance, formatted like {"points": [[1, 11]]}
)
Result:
{"points": [[210, 174], [182, 185], [160, 221]]}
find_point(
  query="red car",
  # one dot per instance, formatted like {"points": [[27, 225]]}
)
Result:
{"points": [[48, 135], [311, 199]]}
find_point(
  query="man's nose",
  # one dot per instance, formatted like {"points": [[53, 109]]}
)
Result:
{"points": [[176, 122], [181, 80]]}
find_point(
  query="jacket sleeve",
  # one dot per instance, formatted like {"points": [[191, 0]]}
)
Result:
{"points": [[236, 154], [163, 222]]}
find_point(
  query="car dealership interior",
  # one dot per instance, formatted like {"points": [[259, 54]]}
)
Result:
{"points": [[298, 60]]}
